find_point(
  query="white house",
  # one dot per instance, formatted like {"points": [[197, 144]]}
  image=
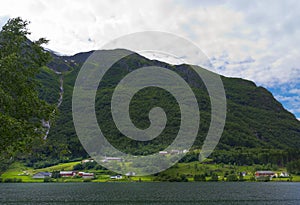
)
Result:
{"points": [[243, 174], [116, 177], [284, 174], [87, 160], [163, 152], [129, 174]]}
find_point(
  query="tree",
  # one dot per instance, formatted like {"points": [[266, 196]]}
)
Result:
{"points": [[294, 167], [214, 177], [78, 166], [55, 174], [21, 111], [232, 178], [200, 177]]}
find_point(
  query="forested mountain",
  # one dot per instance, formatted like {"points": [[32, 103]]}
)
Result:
{"points": [[258, 129]]}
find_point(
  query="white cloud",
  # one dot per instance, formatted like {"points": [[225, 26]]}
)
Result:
{"points": [[69, 25], [295, 91], [291, 102], [256, 40]]}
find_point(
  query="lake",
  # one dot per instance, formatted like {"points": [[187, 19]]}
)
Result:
{"points": [[150, 193]]}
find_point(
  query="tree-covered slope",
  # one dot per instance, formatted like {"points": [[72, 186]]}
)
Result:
{"points": [[256, 123]]}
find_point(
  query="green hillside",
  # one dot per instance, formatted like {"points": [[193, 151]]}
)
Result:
{"points": [[49, 85], [258, 129]]}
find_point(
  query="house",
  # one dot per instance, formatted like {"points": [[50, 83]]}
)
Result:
{"points": [[264, 174], [185, 151], [86, 175], [41, 175], [129, 174], [116, 177], [284, 175], [163, 152], [80, 173], [174, 151], [87, 160], [107, 159], [243, 174], [67, 173]]}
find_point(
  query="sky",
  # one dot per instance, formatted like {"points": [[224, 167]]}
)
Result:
{"points": [[255, 40]]}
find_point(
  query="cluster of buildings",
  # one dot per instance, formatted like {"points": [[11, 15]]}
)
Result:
{"points": [[84, 175], [270, 174], [173, 152], [128, 174]]}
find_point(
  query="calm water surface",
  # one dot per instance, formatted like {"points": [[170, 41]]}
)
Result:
{"points": [[150, 193]]}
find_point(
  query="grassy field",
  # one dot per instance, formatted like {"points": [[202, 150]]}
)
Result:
{"points": [[18, 171], [60, 167]]}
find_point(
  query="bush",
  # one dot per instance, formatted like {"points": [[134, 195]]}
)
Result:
{"points": [[8, 180], [293, 167], [183, 178], [17, 180], [55, 175], [48, 179], [89, 165], [214, 177], [200, 177], [190, 157], [14, 180], [241, 177], [232, 178], [252, 179], [78, 167], [167, 178], [99, 167]]}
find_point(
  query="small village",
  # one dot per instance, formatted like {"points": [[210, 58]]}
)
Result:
{"points": [[87, 175]]}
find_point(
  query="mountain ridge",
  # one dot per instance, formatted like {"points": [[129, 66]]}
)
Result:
{"points": [[255, 119]]}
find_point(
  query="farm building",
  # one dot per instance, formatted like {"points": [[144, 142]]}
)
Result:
{"points": [[116, 177], [41, 175], [87, 160], [163, 152], [129, 174], [284, 174], [264, 174], [86, 175], [67, 173], [107, 159]]}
